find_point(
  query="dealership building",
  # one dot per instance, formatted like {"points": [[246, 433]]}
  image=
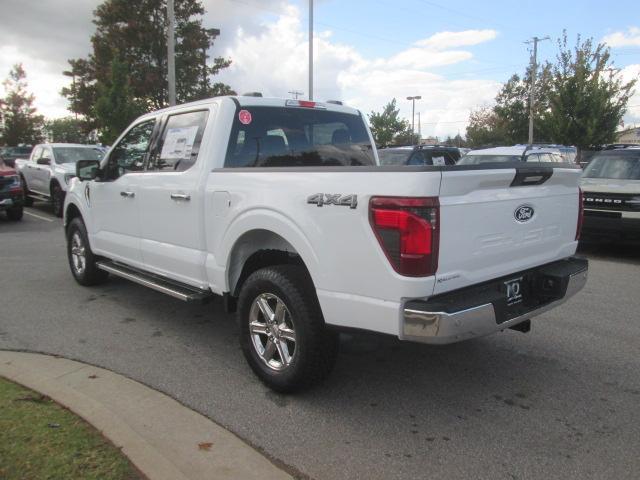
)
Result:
{"points": [[630, 135]]}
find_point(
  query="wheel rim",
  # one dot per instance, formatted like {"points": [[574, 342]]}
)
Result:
{"points": [[272, 331], [78, 255]]}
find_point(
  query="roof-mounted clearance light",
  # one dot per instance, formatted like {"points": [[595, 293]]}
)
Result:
{"points": [[252, 94], [304, 104], [335, 102]]}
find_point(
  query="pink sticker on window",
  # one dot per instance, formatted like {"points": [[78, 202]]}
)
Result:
{"points": [[245, 117]]}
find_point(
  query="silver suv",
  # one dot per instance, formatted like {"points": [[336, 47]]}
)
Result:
{"points": [[611, 189]]}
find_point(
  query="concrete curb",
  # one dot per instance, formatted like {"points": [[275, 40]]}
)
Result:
{"points": [[159, 435]]}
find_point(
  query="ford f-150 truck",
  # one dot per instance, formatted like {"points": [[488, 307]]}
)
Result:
{"points": [[280, 207]]}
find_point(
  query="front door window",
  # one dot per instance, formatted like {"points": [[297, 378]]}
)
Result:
{"points": [[130, 154]]}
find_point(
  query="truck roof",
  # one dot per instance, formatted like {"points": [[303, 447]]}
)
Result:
{"points": [[255, 101]]}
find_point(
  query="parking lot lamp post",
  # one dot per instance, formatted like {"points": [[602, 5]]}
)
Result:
{"points": [[413, 116]]}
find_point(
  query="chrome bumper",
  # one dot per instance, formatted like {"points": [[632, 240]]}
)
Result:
{"points": [[442, 327]]}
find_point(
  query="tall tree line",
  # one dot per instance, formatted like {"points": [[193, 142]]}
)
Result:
{"points": [[126, 72]]}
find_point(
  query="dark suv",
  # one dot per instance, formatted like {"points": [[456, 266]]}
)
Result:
{"points": [[419, 155]]}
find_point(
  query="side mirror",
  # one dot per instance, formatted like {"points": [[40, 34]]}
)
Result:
{"points": [[87, 169], [44, 161]]}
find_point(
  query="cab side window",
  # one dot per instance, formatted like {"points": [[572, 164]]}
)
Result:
{"points": [[130, 153], [36, 154], [46, 154], [180, 144]]}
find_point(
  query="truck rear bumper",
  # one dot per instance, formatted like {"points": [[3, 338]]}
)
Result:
{"points": [[484, 309]]}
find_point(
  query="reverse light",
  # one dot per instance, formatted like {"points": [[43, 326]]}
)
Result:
{"points": [[408, 230], [580, 213]]}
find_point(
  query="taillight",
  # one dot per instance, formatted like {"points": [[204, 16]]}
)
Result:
{"points": [[408, 230], [580, 213]]}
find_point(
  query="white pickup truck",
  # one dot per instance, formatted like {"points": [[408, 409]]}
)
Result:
{"points": [[45, 175], [280, 207]]}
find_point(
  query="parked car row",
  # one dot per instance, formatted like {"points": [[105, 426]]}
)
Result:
{"points": [[45, 175]]}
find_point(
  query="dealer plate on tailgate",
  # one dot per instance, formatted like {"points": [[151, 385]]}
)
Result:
{"points": [[513, 289]]}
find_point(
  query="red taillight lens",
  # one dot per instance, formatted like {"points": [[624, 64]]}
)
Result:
{"points": [[580, 213], [408, 230]]}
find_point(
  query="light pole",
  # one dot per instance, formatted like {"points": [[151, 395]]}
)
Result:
{"points": [[413, 116], [171, 61], [532, 92], [310, 49]]}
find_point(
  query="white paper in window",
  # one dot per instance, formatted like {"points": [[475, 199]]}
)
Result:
{"points": [[178, 143], [439, 161]]}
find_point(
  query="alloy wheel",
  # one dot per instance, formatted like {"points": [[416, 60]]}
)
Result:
{"points": [[272, 331]]}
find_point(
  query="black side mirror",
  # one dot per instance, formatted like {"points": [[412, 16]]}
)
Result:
{"points": [[87, 169], [44, 161]]}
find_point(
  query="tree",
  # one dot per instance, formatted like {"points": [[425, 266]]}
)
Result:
{"points": [[385, 126], [580, 100], [587, 98], [66, 130], [20, 122], [116, 106], [136, 33], [485, 128]]}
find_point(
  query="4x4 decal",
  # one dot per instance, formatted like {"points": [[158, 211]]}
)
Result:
{"points": [[321, 199]]}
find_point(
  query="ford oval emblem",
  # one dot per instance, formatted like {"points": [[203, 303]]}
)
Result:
{"points": [[523, 213]]}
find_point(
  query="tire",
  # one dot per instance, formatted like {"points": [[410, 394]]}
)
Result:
{"points": [[298, 337], [15, 213], [57, 199], [28, 201], [82, 261]]}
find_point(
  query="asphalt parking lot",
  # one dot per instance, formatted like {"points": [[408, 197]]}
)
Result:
{"points": [[562, 401]]}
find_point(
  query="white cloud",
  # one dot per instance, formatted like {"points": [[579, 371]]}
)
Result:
{"points": [[445, 40], [630, 38], [273, 60], [267, 42], [43, 78], [629, 73]]}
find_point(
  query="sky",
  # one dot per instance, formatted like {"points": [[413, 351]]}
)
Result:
{"points": [[455, 55]]}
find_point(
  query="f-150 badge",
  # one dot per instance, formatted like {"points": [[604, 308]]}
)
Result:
{"points": [[321, 199]]}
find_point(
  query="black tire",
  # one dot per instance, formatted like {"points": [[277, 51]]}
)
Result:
{"points": [[314, 349], [28, 201], [57, 199], [15, 213], [90, 274]]}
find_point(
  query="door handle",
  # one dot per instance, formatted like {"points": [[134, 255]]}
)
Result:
{"points": [[181, 196], [127, 194]]}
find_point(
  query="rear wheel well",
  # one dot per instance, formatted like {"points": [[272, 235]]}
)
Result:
{"points": [[255, 250]]}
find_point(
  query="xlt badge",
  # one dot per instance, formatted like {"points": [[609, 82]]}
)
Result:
{"points": [[321, 199]]}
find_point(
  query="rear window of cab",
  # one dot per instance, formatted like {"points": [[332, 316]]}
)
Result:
{"points": [[297, 137]]}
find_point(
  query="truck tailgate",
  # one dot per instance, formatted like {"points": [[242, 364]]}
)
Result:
{"points": [[494, 222]]}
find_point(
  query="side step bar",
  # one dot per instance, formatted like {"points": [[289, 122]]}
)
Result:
{"points": [[183, 292]]}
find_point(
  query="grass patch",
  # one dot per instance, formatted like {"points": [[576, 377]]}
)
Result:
{"points": [[39, 439]]}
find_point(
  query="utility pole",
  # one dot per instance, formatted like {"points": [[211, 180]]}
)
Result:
{"points": [[171, 60], [413, 116], [295, 93], [419, 128], [310, 49], [534, 70]]}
